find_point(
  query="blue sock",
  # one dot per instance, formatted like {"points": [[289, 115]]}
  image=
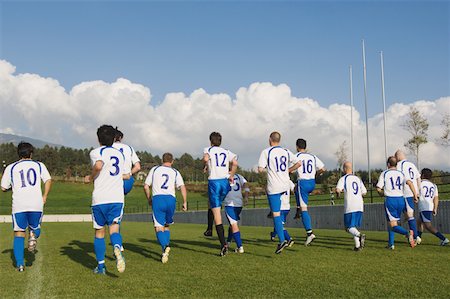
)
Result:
{"points": [[273, 234], [100, 248], [116, 240], [306, 221], [279, 228], [391, 236], [37, 232], [237, 238], [419, 233], [286, 235], [166, 237], [18, 250], [160, 236], [400, 230], [413, 226], [440, 236]]}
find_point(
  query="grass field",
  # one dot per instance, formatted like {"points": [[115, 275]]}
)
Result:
{"points": [[329, 268]]}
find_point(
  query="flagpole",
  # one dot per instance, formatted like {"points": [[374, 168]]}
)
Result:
{"points": [[351, 117], [367, 117], [384, 104]]}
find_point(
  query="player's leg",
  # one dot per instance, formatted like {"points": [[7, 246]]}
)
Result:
{"points": [[232, 214], [159, 207], [230, 235], [19, 226], [169, 212], [352, 221], [99, 222], [275, 207], [409, 205], [306, 187], [420, 228], [217, 190], [287, 237], [427, 217], [394, 209], [114, 218], [208, 231], [297, 200], [34, 225]]}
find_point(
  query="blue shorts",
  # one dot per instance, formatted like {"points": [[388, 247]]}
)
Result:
{"points": [[426, 216], [217, 191], [353, 219], [284, 214], [22, 220], [233, 214], [107, 214], [304, 188], [409, 207], [163, 209], [128, 185], [394, 207], [274, 202]]}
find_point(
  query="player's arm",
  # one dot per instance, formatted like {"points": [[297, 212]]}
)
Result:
{"points": [[6, 180], [47, 187], [148, 193], [380, 184], [246, 194], [96, 168], [184, 195], [234, 165], [136, 168], [436, 203], [205, 162], [411, 185], [262, 162], [339, 187], [295, 166]]}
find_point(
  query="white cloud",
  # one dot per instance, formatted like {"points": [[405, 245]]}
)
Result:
{"points": [[40, 107]]}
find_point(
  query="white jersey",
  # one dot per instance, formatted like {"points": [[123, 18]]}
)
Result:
{"points": [[411, 173], [108, 185], [130, 155], [286, 198], [354, 190], [24, 177], [277, 161], [234, 198], [163, 180], [428, 191], [392, 182], [309, 167], [219, 162]]}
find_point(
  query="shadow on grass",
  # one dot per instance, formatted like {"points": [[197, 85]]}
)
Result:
{"points": [[144, 251], [28, 256]]}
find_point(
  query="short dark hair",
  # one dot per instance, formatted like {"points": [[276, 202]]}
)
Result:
{"points": [[215, 138], [426, 173], [275, 137], [24, 150], [167, 157], [391, 161], [301, 143], [119, 135], [106, 135]]}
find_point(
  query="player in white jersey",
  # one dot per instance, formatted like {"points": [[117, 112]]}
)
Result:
{"points": [[354, 190], [284, 212], [107, 197], [24, 179], [391, 184], [276, 161], [233, 202], [411, 173], [132, 162], [218, 161], [428, 206], [164, 179], [306, 182]]}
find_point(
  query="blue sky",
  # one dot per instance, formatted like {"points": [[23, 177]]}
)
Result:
{"points": [[221, 46]]}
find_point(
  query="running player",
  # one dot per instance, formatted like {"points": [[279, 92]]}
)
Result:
{"points": [[107, 197], [428, 205], [163, 179], [391, 184], [132, 162], [284, 212], [275, 161], [24, 178], [306, 183], [218, 161], [353, 189]]}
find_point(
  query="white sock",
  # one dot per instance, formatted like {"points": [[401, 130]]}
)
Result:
{"points": [[357, 243], [354, 231]]}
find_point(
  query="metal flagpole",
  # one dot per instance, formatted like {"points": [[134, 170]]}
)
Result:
{"points": [[367, 119], [384, 105], [351, 117]]}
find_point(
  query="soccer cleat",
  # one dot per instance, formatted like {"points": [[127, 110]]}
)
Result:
{"points": [[291, 242], [239, 250], [272, 236], [445, 242], [281, 246], [362, 240], [418, 240], [390, 247], [411, 240], [224, 250], [165, 255], [208, 233], [101, 271], [32, 241], [120, 260], [357, 248], [21, 268], [309, 239]]}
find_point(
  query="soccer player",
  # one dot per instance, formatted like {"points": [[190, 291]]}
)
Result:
{"points": [[428, 205], [163, 179], [275, 161], [24, 178], [411, 173], [284, 212], [208, 231], [306, 183], [108, 164], [132, 162], [353, 189], [218, 161], [391, 184], [233, 202]]}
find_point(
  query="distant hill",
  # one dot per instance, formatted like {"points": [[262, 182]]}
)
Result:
{"points": [[15, 139]]}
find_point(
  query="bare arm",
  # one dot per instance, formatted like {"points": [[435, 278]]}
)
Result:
{"points": [[436, 203], [96, 170], [295, 167], [184, 195], [136, 168], [380, 191], [411, 185], [148, 194], [4, 189], [338, 192], [234, 165], [47, 187], [262, 169], [246, 193], [320, 171]]}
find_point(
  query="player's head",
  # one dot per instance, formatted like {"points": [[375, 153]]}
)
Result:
{"points": [[215, 138], [391, 162], [167, 158], [274, 138], [426, 173], [106, 135], [347, 167], [118, 136], [301, 144], [400, 155], [25, 150]]}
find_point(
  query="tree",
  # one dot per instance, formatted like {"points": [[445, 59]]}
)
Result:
{"points": [[341, 154], [444, 140], [417, 126]]}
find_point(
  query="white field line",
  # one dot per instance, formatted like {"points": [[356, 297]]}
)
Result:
{"points": [[55, 218], [35, 280]]}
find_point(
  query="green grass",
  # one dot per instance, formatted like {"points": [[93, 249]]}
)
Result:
{"points": [[329, 268]]}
